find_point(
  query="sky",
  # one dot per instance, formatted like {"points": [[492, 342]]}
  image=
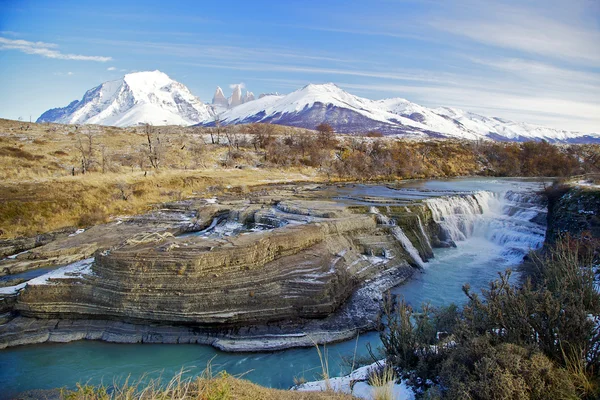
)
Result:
{"points": [[527, 60]]}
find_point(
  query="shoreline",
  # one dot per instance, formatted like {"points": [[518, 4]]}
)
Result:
{"points": [[357, 315]]}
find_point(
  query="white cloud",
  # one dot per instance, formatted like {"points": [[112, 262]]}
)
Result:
{"points": [[570, 114], [241, 85], [111, 69], [69, 73], [47, 50], [550, 30]]}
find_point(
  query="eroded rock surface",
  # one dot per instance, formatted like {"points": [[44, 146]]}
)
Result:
{"points": [[259, 273]]}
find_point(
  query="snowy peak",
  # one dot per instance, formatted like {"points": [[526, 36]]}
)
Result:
{"points": [[236, 96], [137, 98], [249, 96], [152, 97], [347, 113], [219, 98]]}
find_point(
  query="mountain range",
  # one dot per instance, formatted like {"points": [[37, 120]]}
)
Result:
{"points": [[152, 97]]}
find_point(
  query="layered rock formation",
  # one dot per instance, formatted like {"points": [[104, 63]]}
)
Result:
{"points": [[258, 274]]}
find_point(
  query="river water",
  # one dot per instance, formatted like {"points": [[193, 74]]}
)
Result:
{"points": [[492, 228]]}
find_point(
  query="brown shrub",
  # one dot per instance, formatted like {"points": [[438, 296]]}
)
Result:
{"points": [[15, 152], [92, 218]]}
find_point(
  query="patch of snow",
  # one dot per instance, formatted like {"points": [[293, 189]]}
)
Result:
{"points": [[12, 289], [17, 255], [77, 232], [74, 270], [356, 384]]}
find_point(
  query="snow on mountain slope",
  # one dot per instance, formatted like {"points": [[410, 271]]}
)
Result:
{"points": [[137, 98], [153, 97], [427, 117], [314, 104], [501, 129]]}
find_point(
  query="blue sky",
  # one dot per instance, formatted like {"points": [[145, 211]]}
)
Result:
{"points": [[530, 60]]}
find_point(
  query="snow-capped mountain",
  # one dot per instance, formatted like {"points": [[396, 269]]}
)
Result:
{"points": [[137, 98], [152, 97], [346, 113], [220, 103]]}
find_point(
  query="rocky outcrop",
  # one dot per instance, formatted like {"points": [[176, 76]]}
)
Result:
{"points": [[249, 96], [309, 268], [9, 247], [236, 96], [259, 273], [573, 210], [219, 98], [68, 248]]}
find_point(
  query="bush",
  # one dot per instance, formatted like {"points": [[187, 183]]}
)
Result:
{"points": [[91, 218], [537, 340]]}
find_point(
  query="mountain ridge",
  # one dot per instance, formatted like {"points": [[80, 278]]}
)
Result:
{"points": [[153, 97], [137, 98]]}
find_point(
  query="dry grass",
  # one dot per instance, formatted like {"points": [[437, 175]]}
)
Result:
{"points": [[206, 387], [39, 193], [382, 382]]}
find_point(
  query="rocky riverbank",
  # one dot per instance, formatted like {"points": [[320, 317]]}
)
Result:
{"points": [[254, 273]]}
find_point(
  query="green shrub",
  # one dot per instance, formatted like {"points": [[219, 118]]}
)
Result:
{"points": [[537, 340]]}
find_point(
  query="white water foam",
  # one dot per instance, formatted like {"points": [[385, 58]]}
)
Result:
{"points": [[504, 219], [399, 235]]}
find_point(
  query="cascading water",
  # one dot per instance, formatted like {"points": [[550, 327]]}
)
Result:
{"points": [[510, 220], [425, 235], [400, 236]]}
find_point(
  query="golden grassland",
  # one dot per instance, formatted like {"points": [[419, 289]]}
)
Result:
{"points": [[40, 193], [206, 386]]}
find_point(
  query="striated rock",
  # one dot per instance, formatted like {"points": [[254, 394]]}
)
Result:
{"points": [[10, 247], [310, 269], [263, 272], [66, 249]]}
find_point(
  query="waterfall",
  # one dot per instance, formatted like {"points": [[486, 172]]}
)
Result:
{"points": [[513, 220], [407, 244], [425, 235], [399, 234]]}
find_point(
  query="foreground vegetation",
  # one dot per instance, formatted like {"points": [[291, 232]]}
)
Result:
{"points": [[204, 387], [536, 340], [53, 176]]}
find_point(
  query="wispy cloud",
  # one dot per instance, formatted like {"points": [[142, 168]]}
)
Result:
{"points": [[48, 50], [532, 28], [241, 85], [111, 69], [216, 51], [497, 101]]}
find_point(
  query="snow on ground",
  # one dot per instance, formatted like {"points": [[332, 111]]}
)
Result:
{"points": [[12, 289], [587, 184], [356, 383], [74, 270], [77, 269], [77, 232]]}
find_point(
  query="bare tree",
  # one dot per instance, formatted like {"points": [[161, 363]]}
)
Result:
{"points": [[85, 145], [105, 158], [155, 148], [216, 132]]}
